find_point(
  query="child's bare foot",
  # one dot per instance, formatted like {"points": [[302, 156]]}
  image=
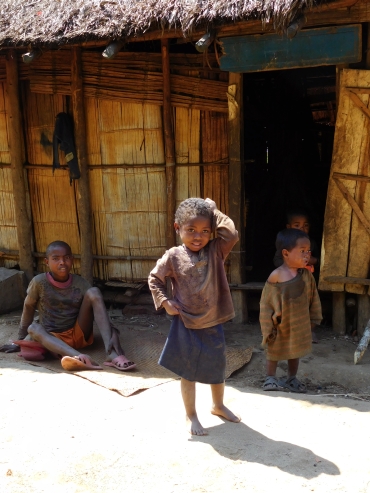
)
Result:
{"points": [[194, 427], [225, 412]]}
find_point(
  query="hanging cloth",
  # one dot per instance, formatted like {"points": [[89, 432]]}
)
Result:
{"points": [[63, 136]]}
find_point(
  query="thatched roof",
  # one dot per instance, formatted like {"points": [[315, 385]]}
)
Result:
{"points": [[66, 21]]}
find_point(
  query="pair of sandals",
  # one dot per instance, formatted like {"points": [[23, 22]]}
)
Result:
{"points": [[34, 351], [290, 383]]}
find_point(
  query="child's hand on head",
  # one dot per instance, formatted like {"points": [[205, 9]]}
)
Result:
{"points": [[211, 203], [171, 307]]}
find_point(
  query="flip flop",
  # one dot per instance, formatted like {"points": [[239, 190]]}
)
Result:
{"points": [[31, 350], [71, 363], [294, 385], [121, 360]]}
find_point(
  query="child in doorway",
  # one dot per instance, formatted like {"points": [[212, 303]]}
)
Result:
{"points": [[298, 219], [200, 303], [289, 310], [67, 306]]}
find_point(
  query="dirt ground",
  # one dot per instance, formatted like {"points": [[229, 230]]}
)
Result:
{"points": [[62, 433]]}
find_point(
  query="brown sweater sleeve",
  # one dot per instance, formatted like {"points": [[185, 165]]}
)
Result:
{"points": [[268, 313], [157, 280], [315, 303], [226, 234]]}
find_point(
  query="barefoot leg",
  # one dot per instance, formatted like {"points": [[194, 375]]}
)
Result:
{"points": [[188, 396], [218, 407], [293, 367]]}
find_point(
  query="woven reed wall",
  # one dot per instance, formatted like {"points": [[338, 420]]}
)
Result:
{"points": [[53, 201], [128, 205], [8, 236], [124, 129]]}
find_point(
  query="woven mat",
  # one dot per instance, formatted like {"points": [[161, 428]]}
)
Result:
{"points": [[142, 346]]}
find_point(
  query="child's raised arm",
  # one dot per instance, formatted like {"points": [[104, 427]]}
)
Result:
{"points": [[224, 228]]}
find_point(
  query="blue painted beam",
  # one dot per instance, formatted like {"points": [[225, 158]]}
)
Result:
{"points": [[309, 48]]}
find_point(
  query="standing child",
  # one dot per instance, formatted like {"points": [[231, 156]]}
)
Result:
{"points": [[289, 310], [298, 219], [200, 303], [67, 306]]}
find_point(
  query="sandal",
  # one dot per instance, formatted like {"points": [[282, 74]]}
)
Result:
{"points": [[294, 385], [271, 383]]}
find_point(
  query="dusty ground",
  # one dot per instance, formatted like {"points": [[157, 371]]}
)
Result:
{"points": [[61, 433]]}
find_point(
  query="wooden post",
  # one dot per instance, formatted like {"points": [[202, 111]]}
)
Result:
{"points": [[363, 301], [169, 145], [236, 191], [83, 199], [16, 145], [339, 312]]}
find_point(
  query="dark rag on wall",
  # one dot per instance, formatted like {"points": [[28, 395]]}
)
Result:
{"points": [[63, 136]]}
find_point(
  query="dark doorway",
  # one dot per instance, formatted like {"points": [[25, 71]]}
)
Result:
{"points": [[288, 139]]}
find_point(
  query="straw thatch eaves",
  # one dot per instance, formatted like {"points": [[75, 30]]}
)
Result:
{"points": [[66, 21]]}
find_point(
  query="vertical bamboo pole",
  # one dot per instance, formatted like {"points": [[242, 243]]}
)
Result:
{"points": [[83, 199], [169, 145], [236, 191], [16, 144]]}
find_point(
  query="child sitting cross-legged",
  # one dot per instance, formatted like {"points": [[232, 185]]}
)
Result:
{"points": [[67, 306], [289, 310], [200, 303]]}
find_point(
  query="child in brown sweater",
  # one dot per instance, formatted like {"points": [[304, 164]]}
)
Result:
{"points": [[289, 310], [200, 303]]}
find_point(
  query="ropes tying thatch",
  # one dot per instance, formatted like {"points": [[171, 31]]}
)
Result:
{"points": [[63, 21]]}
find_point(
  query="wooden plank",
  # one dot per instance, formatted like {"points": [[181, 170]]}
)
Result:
{"points": [[83, 196], [339, 313], [169, 144], [348, 280], [311, 47], [363, 313], [349, 151], [249, 286], [357, 101], [236, 191], [347, 176], [346, 194], [16, 146], [359, 244]]}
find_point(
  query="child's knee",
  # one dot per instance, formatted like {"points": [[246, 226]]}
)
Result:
{"points": [[35, 330], [94, 294]]}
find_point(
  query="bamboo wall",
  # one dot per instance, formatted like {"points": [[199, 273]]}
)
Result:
{"points": [[8, 235], [53, 201], [125, 143]]}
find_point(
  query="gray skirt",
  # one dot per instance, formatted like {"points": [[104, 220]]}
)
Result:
{"points": [[198, 355]]}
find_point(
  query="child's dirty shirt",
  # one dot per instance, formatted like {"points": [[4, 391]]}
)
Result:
{"points": [[199, 282], [58, 307], [287, 310]]}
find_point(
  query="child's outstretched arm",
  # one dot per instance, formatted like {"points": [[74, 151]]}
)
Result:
{"points": [[28, 313]]}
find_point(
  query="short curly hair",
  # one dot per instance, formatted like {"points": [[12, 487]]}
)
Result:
{"points": [[191, 208]]}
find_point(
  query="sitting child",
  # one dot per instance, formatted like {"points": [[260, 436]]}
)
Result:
{"points": [[67, 307], [298, 219], [289, 309], [200, 303]]}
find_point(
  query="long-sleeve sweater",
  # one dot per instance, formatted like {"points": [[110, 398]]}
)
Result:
{"points": [[199, 283]]}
